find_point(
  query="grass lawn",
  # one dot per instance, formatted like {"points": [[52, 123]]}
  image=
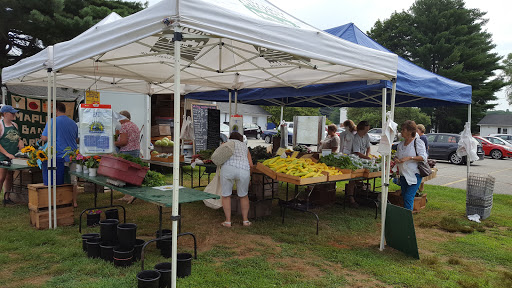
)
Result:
{"points": [[454, 252]]}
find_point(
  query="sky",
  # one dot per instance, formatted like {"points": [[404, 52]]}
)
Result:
{"points": [[324, 14]]}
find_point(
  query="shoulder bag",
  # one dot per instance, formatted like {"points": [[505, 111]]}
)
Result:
{"points": [[422, 166], [223, 153]]}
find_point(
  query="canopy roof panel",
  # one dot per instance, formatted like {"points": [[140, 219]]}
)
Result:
{"points": [[416, 87], [226, 44]]}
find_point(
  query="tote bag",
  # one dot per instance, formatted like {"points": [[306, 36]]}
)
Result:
{"points": [[214, 187]]}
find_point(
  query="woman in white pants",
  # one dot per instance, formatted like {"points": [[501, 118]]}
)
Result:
{"points": [[236, 169]]}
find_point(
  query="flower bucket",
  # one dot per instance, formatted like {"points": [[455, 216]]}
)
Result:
{"points": [[93, 172], [79, 168], [121, 169], [148, 279], [59, 171], [85, 170]]}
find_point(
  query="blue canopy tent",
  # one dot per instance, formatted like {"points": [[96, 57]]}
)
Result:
{"points": [[415, 87]]}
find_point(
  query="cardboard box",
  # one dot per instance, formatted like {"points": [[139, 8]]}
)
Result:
{"points": [[323, 194], [65, 217], [160, 130], [38, 195]]}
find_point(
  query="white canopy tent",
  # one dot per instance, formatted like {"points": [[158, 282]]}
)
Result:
{"points": [[197, 45]]}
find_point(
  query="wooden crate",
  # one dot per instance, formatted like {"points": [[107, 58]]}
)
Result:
{"points": [[260, 168], [395, 198], [39, 219], [167, 159], [300, 181], [358, 173], [323, 194], [160, 130], [431, 176], [347, 174], [38, 195], [370, 175]]}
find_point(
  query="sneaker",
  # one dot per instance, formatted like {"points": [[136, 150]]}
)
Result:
{"points": [[8, 202]]}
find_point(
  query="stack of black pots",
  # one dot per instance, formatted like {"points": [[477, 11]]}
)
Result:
{"points": [[115, 243]]}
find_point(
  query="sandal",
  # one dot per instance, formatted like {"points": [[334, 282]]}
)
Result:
{"points": [[226, 224], [247, 223]]}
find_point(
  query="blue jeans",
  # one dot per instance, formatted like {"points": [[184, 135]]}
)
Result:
{"points": [[409, 191]]}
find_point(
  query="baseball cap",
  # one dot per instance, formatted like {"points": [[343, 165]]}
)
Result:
{"points": [[8, 109]]}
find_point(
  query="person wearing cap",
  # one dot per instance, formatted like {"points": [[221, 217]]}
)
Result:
{"points": [[10, 143]]}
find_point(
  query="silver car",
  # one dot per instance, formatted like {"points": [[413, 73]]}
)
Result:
{"points": [[375, 135], [506, 137]]}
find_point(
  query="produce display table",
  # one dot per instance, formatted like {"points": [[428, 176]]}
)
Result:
{"points": [[19, 167], [168, 164], [207, 169], [158, 197]]}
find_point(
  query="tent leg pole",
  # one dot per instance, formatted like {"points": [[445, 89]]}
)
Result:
{"points": [[54, 144], [384, 179], [49, 154], [176, 164], [229, 101], [236, 101], [281, 120], [4, 94], [467, 160]]}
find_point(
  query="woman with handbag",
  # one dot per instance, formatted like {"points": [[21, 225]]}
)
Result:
{"points": [[410, 153], [236, 169]]}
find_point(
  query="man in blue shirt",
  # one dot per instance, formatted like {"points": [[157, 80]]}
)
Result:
{"points": [[67, 135]]}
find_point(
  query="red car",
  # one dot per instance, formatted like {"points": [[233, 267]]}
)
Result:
{"points": [[496, 151]]}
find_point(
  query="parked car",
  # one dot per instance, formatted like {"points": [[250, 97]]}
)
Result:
{"points": [[268, 134], [494, 150], [443, 146], [499, 141], [507, 137], [252, 130], [375, 135], [224, 133]]}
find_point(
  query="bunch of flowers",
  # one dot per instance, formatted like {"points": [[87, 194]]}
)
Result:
{"points": [[92, 161], [73, 154], [34, 154], [93, 211]]}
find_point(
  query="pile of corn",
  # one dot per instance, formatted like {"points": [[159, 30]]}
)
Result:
{"points": [[303, 168]]}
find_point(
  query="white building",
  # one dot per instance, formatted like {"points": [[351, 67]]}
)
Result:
{"points": [[496, 124], [253, 114]]}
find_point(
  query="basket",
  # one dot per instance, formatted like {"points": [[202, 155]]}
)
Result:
{"points": [[121, 169], [484, 212], [479, 201], [480, 186]]}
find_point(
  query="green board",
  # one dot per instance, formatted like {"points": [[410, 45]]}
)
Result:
{"points": [[399, 231]]}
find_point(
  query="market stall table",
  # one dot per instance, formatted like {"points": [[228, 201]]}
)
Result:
{"points": [[208, 170], [18, 167], [158, 197]]}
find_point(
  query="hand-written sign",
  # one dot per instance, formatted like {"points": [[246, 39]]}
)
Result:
{"points": [[32, 116], [200, 122]]}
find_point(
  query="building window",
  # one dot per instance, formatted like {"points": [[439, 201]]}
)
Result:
{"points": [[254, 120], [505, 131], [499, 130]]}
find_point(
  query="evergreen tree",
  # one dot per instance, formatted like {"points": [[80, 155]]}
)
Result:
{"points": [[507, 69], [445, 37], [28, 26], [374, 116]]}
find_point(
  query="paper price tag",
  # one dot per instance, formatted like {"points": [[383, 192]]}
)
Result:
{"points": [[295, 154], [280, 151]]}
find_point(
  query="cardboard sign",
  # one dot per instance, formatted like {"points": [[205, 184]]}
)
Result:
{"points": [[92, 97]]}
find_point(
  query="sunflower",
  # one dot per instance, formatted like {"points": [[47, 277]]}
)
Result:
{"points": [[41, 155], [28, 149]]}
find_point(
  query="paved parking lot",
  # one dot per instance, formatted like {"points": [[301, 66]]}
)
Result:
{"points": [[456, 175]]}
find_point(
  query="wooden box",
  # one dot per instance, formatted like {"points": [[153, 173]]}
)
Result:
{"points": [[370, 175], [160, 130], [260, 168], [38, 195], [358, 173], [65, 217], [167, 159], [347, 174], [300, 181], [419, 202]]}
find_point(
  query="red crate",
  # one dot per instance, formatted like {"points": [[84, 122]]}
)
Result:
{"points": [[121, 169]]}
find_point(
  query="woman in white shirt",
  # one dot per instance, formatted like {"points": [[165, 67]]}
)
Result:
{"points": [[347, 136], [409, 153]]}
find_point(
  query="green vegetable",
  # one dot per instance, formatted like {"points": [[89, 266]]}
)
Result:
{"points": [[132, 159], [259, 153], [344, 162], [205, 154], [153, 179]]}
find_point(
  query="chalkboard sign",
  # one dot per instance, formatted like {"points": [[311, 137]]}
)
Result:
{"points": [[213, 140], [200, 121]]}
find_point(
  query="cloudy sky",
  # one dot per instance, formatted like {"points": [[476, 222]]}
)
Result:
{"points": [[325, 14]]}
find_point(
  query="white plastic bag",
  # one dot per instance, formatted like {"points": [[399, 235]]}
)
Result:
{"points": [[214, 187], [187, 129], [468, 143], [388, 135]]}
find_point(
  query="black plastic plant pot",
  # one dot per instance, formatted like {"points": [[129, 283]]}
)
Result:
{"points": [[163, 233], [148, 279], [126, 235], [165, 274], [93, 219], [107, 251], [123, 256], [184, 264], [112, 214], [166, 247], [137, 249], [108, 230], [88, 236], [93, 247]]}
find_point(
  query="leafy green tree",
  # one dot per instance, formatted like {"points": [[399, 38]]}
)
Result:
{"points": [[445, 37], [507, 69], [288, 113], [28, 26], [374, 116]]}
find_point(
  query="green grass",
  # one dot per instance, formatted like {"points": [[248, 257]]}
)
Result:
{"points": [[272, 254]]}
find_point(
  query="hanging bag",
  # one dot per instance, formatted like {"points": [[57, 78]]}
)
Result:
{"points": [[223, 153], [422, 166], [214, 187]]}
